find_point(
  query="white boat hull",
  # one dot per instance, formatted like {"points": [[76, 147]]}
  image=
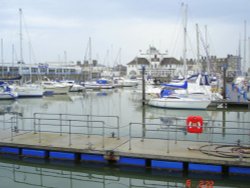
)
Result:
{"points": [[7, 92], [98, 86], [129, 83], [187, 103], [8, 96], [29, 91], [76, 88], [56, 90]]}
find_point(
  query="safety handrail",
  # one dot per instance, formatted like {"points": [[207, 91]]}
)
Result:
{"points": [[175, 128], [88, 116]]}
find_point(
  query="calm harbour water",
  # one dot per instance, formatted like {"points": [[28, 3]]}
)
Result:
{"points": [[125, 104]]}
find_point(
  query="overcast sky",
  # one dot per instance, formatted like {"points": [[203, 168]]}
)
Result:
{"points": [[55, 26]]}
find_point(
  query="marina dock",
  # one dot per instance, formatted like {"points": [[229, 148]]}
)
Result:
{"points": [[70, 142]]}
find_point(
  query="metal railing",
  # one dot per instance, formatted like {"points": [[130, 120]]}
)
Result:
{"points": [[89, 119], [215, 132], [59, 123], [229, 133]]}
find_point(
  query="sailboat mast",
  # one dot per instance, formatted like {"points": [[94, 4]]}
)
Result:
{"points": [[21, 36], [198, 48], [207, 51], [245, 50], [185, 38], [239, 68], [90, 59], [2, 57], [248, 67]]}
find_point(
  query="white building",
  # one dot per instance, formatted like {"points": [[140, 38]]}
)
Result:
{"points": [[156, 64]]}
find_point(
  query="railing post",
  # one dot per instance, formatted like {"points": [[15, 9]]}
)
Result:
{"points": [[70, 143], [88, 125], [118, 128], [212, 132], [176, 130], [103, 133], [60, 124], [16, 120], [168, 138], [39, 130], [130, 136], [4, 121], [11, 130], [143, 131], [34, 123]]}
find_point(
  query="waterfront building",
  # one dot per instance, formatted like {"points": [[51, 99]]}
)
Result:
{"points": [[231, 62], [35, 72], [157, 65]]}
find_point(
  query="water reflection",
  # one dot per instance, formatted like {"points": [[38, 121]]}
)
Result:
{"points": [[69, 175], [115, 102], [6, 105]]}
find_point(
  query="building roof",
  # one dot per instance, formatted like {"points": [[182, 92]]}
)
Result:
{"points": [[169, 60], [139, 61], [144, 61]]}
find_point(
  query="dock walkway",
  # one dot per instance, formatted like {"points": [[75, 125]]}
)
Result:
{"points": [[130, 150]]}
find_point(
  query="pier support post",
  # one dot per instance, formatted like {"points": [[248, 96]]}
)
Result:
{"points": [[148, 163], [225, 171], [185, 169], [77, 158]]}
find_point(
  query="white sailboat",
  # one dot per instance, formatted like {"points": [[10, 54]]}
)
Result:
{"points": [[198, 85], [182, 101], [26, 89], [6, 92], [29, 90]]}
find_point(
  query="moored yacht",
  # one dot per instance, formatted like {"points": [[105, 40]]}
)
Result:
{"points": [[99, 84], [55, 88], [29, 90], [6, 92]]}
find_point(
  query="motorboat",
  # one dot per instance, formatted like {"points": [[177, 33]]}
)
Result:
{"points": [[6, 92], [55, 88], [125, 82], [99, 84], [129, 82], [74, 87]]}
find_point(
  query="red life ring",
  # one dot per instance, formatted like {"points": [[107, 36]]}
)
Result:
{"points": [[194, 124]]}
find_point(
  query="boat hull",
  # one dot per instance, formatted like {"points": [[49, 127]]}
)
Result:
{"points": [[98, 86], [179, 104], [29, 91], [8, 96], [56, 90]]}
